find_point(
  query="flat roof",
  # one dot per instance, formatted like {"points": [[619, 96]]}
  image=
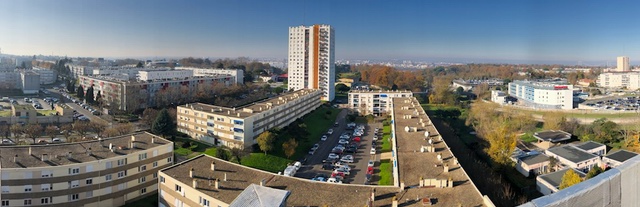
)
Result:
{"points": [[30, 155], [303, 192], [621, 155], [555, 178], [413, 164], [552, 135], [534, 159], [571, 153], [589, 145], [23, 107], [251, 109], [379, 91]]}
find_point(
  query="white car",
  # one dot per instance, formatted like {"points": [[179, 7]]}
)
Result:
{"points": [[375, 137], [344, 168], [344, 136], [333, 156], [343, 141], [347, 159], [373, 151], [341, 171], [312, 151], [324, 138], [371, 163], [297, 165], [330, 131], [334, 180], [7, 141]]}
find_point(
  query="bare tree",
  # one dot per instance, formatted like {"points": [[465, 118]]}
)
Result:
{"points": [[148, 116], [82, 128], [124, 128], [51, 131], [33, 131], [111, 132], [97, 127], [66, 130], [17, 130]]}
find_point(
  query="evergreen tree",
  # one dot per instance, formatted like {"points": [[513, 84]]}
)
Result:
{"points": [[89, 98], [594, 171], [163, 125], [80, 92], [98, 97]]}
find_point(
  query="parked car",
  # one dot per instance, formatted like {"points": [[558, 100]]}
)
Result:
{"points": [[328, 166], [315, 146], [333, 156], [347, 159], [324, 138], [297, 165], [343, 141], [320, 177], [336, 124], [371, 163], [334, 180], [375, 137], [341, 170], [7, 141], [56, 140], [373, 151], [312, 151], [330, 131]]}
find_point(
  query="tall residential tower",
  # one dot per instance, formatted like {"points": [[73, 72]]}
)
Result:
{"points": [[311, 59], [623, 64]]}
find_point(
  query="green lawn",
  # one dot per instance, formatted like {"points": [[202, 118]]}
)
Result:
{"points": [[197, 146], [602, 114], [318, 122], [5, 113], [361, 120], [264, 162], [528, 137], [386, 142], [148, 201], [386, 173]]}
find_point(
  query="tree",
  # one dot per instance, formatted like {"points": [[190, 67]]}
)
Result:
{"points": [[289, 147], [51, 131], [82, 128], [554, 121], [80, 92], [149, 115], [139, 65], [110, 132], [124, 128], [341, 87], [98, 128], [66, 130], [265, 141], [33, 131], [17, 130], [98, 98], [569, 178], [238, 153], [163, 124], [88, 97], [595, 170]]}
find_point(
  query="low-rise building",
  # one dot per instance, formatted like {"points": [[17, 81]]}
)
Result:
{"points": [[593, 148], [550, 138], [28, 115], [106, 172], [367, 102], [238, 127], [238, 74], [573, 157], [533, 165], [547, 94], [620, 80], [616, 158], [499, 97], [550, 183]]}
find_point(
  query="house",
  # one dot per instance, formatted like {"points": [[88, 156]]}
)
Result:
{"points": [[574, 157], [593, 148], [617, 158], [498, 97], [550, 138], [550, 183], [533, 164]]}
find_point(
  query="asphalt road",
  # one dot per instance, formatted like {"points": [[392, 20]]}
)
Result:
{"points": [[314, 163]]}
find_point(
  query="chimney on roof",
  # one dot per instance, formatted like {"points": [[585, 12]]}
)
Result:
{"points": [[373, 195], [217, 183], [262, 182], [195, 184], [394, 202], [43, 157], [15, 158], [225, 176], [133, 138], [69, 154], [213, 166], [238, 114], [111, 146], [133, 145], [229, 112], [153, 140], [29, 150], [191, 173], [89, 151]]}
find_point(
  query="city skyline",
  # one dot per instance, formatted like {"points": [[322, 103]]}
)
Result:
{"points": [[509, 32]]}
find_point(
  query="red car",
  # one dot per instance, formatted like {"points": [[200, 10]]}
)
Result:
{"points": [[370, 170], [335, 174], [356, 139]]}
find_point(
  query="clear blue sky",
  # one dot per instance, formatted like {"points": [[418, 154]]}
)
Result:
{"points": [[438, 30]]}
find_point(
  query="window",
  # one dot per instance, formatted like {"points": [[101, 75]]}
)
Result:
{"points": [[155, 153], [178, 188], [155, 175], [142, 168], [161, 179], [89, 181], [6, 189], [142, 179], [5, 203], [204, 202], [89, 168], [108, 165], [108, 177], [45, 200], [27, 202], [73, 197], [89, 194], [122, 186], [122, 174], [47, 173], [143, 190], [122, 162], [73, 171], [28, 188], [155, 164], [74, 184], [142, 156], [169, 159], [46, 187]]}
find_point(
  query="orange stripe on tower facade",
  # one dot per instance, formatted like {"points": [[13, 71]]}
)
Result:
{"points": [[316, 55]]}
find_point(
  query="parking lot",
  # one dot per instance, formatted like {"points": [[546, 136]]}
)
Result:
{"points": [[357, 174], [631, 103]]}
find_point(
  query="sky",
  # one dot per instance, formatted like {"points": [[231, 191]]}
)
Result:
{"points": [[541, 31]]}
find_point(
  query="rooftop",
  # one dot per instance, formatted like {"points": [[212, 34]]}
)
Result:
{"points": [[552, 136], [534, 159], [251, 109], [27, 156], [571, 153], [380, 91], [303, 192], [586, 146], [621, 155], [414, 164], [23, 107], [545, 84], [260, 196], [555, 178]]}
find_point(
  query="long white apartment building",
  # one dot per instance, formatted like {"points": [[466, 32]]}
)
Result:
{"points": [[237, 73], [107, 172], [626, 80], [238, 127], [543, 94], [374, 102], [311, 59], [164, 75]]}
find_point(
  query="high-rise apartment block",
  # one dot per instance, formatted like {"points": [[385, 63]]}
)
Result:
{"points": [[623, 64], [311, 59]]}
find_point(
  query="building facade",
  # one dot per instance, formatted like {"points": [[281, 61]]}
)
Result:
{"points": [[237, 73], [238, 127], [30, 82], [623, 64], [311, 59], [543, 94], [107, 172], [374, 102], [629, 80], [46, 76]]}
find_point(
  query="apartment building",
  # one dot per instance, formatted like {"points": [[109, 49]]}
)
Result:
{"points": [[548, 94], [311, 59], [212, 182], [238, 127], [625, 80], [47, 76], [130, 93], [623, 64], [367, 102], [237, 73], [106, 172]]}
